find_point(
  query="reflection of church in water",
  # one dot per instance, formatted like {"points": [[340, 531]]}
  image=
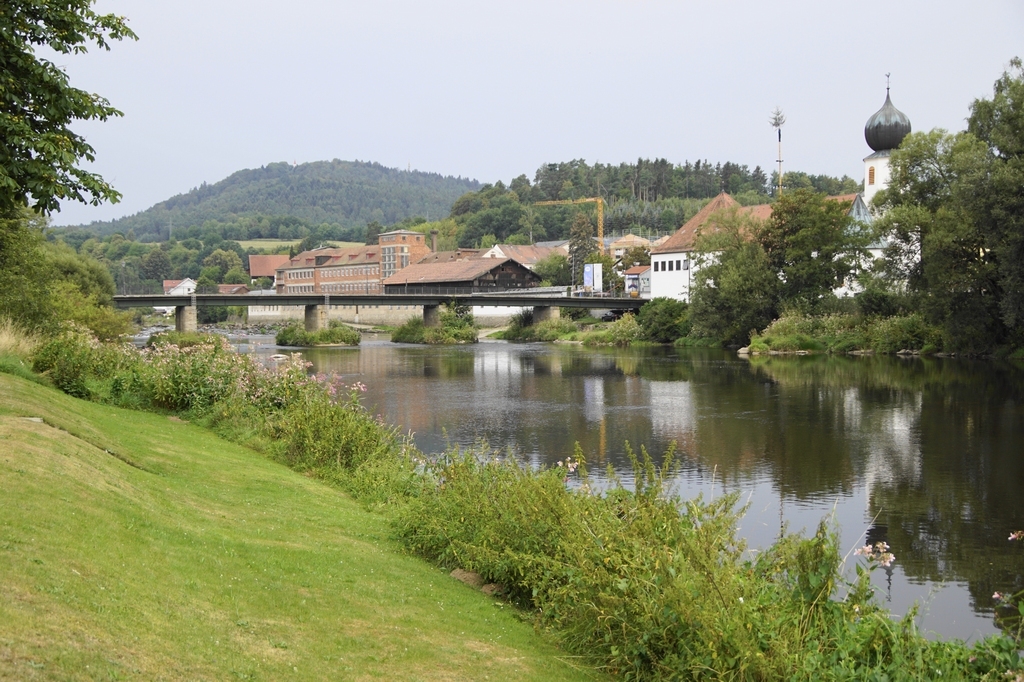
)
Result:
{"points": [[893, 453]]}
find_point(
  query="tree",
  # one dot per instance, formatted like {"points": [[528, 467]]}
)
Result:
{"points": [[40, 154], [156, 265], [224, 261], [935, 246], [86, 274], [995, 199], [581, 244], [736, 290], [554, 270], [236, 276], [636, 255], [812, 245], [663, 320], [24, 294], [373, 230]]}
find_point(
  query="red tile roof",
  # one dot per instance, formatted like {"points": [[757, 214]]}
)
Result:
{"points": [[335, 256], [453, 271], [526, 254], [449, 256], [686, 235], [637, 270], [265, 266], [628, 241], [761, 211], [232, 289]]}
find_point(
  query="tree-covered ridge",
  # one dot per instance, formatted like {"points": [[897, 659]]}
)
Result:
{"points": [[344, 194], [651, 197]]}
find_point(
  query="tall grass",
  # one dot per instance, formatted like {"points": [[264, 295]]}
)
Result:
{"points": [[16, 341], [16, 348]]}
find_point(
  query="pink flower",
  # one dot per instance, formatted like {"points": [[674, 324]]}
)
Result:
{"points": [[1017, 535]]}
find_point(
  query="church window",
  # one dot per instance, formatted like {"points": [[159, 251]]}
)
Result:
{"points": [[871, 175]]}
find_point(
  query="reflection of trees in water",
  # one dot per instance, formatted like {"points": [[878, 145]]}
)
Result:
{"points": [[449, 365], [952, 523], [943, 440]]}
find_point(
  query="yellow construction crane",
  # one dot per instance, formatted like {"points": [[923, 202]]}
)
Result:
{"points": [[590, 200]]}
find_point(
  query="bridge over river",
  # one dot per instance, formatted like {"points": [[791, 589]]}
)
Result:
{"points": [[545, 303]]}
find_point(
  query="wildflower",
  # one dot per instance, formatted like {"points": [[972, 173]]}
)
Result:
{"points": [[998, 596], [559, 464], [1017, 535], [878, 552]]}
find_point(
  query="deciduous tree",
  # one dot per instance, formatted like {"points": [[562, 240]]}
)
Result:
{"points": [[40, 154], [812, 245]]}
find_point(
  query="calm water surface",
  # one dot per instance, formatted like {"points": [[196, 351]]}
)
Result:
{"points": [[925, 454]]}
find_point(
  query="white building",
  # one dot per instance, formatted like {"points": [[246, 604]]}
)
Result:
{"points": [[176, 287]]}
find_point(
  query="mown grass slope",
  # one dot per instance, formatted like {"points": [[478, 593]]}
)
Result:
{"points": [[134, 546]]}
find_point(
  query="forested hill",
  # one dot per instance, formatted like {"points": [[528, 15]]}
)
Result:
{"points": [[348, 194]]}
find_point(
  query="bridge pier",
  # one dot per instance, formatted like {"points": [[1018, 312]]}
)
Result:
{"points": [[316, 318], [431, 315], [185, 319], [543, 313]]}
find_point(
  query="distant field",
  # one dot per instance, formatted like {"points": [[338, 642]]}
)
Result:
{"points": [[276, 244]]}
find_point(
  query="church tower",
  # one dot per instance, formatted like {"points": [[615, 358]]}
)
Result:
{"points": [[884, 131]]}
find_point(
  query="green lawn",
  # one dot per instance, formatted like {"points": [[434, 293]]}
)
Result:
{"points": [[135, 546]]}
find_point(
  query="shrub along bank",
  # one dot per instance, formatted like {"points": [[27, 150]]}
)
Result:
{"points": [[336, 333], [624, 331], [455, 326], [843, 333], [638, 582]]}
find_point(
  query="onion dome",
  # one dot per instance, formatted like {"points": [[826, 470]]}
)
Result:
{"points": [[887, 127]]}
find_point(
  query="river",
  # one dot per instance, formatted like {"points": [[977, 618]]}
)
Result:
{"points": [[926, 454]]}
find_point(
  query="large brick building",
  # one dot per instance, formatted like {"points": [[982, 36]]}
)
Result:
{"points": [[400, 249], [352, 270]]}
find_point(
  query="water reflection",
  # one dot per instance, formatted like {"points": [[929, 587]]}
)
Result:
{"points": [[923, 453]]}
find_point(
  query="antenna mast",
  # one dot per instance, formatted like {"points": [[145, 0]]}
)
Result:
{"points": [[777, 120]]}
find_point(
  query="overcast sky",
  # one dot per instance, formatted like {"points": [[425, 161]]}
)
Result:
{"points": [[488, 91]]}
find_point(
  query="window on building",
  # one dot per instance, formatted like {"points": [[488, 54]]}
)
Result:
{"points": [[871, 175], [670, 266], [677, 266]]}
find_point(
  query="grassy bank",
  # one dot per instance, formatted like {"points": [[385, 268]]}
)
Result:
{"points": [[135, 546]]}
